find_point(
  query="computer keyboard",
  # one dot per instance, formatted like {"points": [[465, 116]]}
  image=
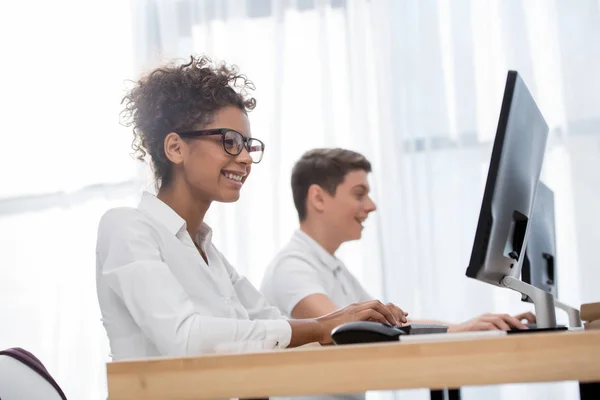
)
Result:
{"points": [[533, 328], [423, 329]]}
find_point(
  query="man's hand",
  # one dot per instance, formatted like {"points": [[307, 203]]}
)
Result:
{"points": [[528, 316], [490, 322]]}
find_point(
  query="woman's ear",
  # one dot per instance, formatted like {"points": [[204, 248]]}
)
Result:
{"points": [[315, 199], [174, 146]]}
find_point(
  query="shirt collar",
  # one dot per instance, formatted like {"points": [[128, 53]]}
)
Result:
{"points": [[160, 211], [332, 262], [204, 236]]}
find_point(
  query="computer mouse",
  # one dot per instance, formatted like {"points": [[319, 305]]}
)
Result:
{"points": [[365, 332]]}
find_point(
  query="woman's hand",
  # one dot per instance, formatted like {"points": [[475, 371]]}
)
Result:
{"points": [[398, 313], [367, 311]]}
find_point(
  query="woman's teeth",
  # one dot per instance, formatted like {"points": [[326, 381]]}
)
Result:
{"points": [[232, 176]]}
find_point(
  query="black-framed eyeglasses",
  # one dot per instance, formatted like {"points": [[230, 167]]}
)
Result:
{"points": [[233, 142]]}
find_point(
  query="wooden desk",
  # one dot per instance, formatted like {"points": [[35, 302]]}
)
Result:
{"points": [[539, 357]]}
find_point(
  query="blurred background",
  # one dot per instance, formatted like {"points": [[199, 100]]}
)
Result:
{"points": [[416, 86]]}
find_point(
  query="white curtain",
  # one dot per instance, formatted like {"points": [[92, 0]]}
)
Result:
{"points": [[65, 160], [415, 86]]}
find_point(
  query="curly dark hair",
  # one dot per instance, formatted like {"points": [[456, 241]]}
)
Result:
{"points": [[326, 167], [175, 98]]}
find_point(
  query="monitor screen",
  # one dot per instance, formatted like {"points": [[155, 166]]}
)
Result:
{"points": [[510, 189]]}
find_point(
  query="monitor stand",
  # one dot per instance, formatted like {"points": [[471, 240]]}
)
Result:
{"points": [[573, 313], [542, 300]]}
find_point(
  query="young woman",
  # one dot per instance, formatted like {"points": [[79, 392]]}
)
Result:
{"points": [[163, 287]]}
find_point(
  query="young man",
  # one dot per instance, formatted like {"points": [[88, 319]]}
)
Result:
{"points": [[305, 279]]}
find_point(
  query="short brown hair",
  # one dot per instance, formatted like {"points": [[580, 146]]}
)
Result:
{"points": [[326, 168], [178, 97]]}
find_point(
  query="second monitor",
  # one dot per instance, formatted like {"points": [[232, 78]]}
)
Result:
{"points": [[540, 262]]}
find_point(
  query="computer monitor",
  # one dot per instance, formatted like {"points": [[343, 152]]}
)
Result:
{"points": [[539, 264], [508, 199]]}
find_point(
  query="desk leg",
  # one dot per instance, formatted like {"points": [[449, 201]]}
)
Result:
{"points": [[445, 394], [589, 391]]}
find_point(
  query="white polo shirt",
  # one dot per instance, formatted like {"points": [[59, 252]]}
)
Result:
{"points": [[158, 297], [303, 267]]}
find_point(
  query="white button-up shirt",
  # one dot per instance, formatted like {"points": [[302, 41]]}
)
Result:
{"points": [[158, 297]]}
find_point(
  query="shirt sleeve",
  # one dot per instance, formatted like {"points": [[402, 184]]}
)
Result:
{"points": [[291, 279], [130, 263]]}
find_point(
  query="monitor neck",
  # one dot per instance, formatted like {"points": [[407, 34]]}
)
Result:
{"points": [[543, 301]]}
